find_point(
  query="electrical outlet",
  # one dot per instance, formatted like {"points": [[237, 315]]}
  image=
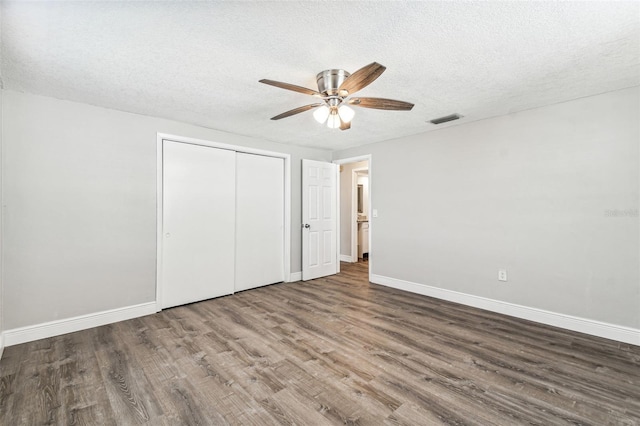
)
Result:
{"points": [[502, 274]]}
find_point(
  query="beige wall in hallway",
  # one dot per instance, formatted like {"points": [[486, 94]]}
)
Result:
{"points": [[346, 194]]}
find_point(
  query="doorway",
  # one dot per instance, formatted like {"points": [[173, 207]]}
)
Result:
{"points": [[355, 209]]}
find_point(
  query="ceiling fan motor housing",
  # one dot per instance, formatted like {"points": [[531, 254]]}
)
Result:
{"points": [[330, 80]]}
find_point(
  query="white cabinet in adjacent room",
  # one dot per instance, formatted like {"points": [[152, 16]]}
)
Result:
{"points": [[363, 239]]}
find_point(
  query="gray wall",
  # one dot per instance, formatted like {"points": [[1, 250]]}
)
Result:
{"points": [[80, 196], [1, 211], [346, 192], [550, 194]]}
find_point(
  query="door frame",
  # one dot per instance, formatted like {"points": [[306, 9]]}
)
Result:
{"points": [[160, 137], [369, 159]]}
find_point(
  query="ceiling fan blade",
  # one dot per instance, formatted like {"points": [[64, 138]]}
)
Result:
{"points": [[345, 125], [381, 103], [361, 78], [296, 111], [293, 87]]}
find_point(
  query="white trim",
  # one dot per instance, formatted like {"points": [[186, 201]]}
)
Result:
{"points": [[346, 258], [369, 213], [295, 276], [287, 218], [159, 221], [582, 325], [353, 159], [354, 216], [1, 344], [82, 322], [220, 145], [337, 212], [159, 232]]}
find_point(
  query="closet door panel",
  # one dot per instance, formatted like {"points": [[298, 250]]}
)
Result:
{"points": [[259, 221], [198, 223]]}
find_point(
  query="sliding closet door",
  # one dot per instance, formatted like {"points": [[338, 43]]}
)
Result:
{"points": [[259, 221], [198, 223]]}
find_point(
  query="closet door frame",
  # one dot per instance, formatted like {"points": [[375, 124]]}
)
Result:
{"points": [[161, 137]]}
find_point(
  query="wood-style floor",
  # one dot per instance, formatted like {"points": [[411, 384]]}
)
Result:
{"points": [[336, 350]]}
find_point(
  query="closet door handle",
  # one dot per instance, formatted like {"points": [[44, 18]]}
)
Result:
{"points": [[306, 225]]}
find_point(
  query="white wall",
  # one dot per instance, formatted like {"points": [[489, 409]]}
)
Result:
{"points": [[550, 194], [80, 196], [346, 194]]}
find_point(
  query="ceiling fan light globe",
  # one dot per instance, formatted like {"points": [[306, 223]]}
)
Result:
{"points": [[334, 121], [346, 113], [321, 114]]}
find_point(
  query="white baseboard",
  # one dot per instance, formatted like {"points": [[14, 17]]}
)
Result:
{"points": [[582, 325], [346, 258], [69, 325], [1, 344], [295, 276]]}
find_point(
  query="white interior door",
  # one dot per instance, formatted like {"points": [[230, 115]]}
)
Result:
{"points": [[259, 221], [319, 219], [198, 223]]}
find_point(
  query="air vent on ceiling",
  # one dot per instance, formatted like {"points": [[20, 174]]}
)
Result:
{"points": [[445, 119]]}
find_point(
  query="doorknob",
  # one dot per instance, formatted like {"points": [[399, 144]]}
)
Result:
{"points": [[306, 225]]}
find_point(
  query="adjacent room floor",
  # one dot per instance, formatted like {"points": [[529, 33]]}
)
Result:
{"points": [[336, 350]]}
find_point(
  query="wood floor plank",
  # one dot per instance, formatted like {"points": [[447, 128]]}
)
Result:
{"points": [[291, 408], [409, 414], [128, 389], [82, 401], [336, 350]]}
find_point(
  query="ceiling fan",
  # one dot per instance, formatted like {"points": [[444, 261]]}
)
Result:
{"points": [[335, 89]]}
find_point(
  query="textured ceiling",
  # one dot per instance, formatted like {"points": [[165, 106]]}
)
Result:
{"points": [[200, 62]]}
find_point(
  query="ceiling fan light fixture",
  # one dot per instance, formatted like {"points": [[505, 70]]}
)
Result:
{"points": [[346, 113], [334, 120], [321, 114]]}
